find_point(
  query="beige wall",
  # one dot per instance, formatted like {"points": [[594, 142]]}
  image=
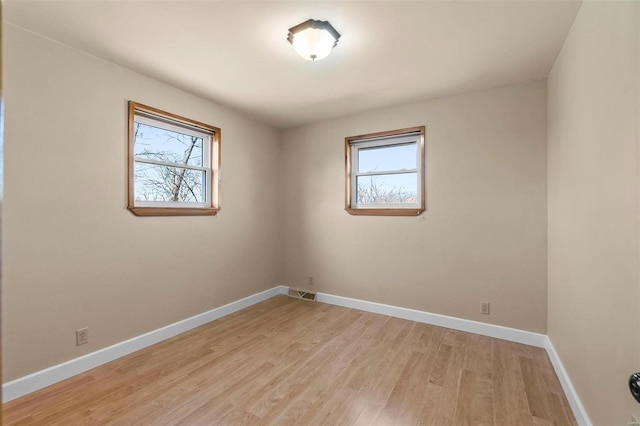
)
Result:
{"points": [[74, 256], [593, 207], [483, 236]]}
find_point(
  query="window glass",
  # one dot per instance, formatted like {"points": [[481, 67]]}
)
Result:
{"points": [[387, 158], [166, 145], [387, 189], [155, 182]]}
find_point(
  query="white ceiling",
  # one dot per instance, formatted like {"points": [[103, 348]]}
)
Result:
{"points": [[235, 52]]}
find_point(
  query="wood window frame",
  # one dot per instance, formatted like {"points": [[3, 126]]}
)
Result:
{"points": [[392, 211], [213, 204]]}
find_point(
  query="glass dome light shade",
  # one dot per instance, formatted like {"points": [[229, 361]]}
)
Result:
{"points": [[313, 40]]}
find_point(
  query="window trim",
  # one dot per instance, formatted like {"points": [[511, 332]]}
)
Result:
{"points": [[375, 139], [212, 206]]}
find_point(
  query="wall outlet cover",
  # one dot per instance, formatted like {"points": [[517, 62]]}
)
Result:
{"points": [[82, 336]]}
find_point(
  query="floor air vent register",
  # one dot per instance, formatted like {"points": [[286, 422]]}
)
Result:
{"points": [[302, 294]]}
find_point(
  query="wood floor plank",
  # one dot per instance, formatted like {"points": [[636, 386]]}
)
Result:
{"points": [[291, 362], [511, 405], [475, 399], [445, 408], [478, 355], [284, 387], [320, 388]]}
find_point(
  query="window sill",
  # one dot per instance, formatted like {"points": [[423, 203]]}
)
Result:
{"points": [[384, 212], [169, 211]]}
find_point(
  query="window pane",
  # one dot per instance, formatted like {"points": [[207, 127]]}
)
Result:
{"points": [[387, 189], [171, 184], [380, 159], [166, 145]]}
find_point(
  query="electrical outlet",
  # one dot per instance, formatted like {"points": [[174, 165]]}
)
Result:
{"points": [[311, 281], [485, 308], [82, 336]]}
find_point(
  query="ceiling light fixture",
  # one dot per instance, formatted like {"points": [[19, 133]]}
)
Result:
{"points": [[313, 40]]}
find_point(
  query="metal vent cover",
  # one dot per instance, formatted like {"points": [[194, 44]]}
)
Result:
{"points": [[302, 294]]}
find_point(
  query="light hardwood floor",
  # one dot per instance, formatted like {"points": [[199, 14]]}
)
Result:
{"points": [[287, 361]]}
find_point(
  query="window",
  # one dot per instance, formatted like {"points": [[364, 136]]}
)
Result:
{"points": [[173, 164], [385, 173]]}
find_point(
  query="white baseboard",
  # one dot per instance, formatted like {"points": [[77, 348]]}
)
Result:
{"points": [[491, 330], [43, 378], [484, 329], [572, 396], [40, 379]]}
